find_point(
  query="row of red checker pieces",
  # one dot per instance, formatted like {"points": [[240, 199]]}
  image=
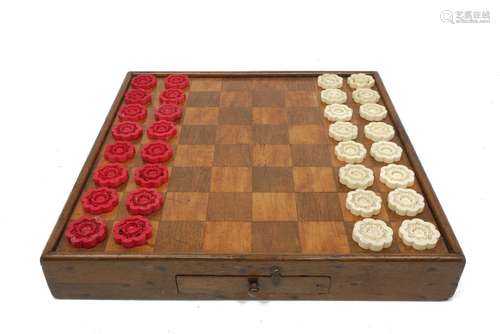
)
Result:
{"points": [[135, 230]]}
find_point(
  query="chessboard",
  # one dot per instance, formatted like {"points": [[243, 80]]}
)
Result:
{"points": [[251, 206]]}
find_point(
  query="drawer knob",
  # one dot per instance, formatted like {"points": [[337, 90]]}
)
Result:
{"points": [[253, 286]]}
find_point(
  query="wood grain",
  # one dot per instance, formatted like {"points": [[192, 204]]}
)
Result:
{"points": [[253, 185]]}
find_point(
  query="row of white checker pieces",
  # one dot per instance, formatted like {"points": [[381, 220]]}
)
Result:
{"points": [[373, 234]]}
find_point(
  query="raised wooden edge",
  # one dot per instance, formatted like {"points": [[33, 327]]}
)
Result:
{"points": [[85, 172], [449, 237]]}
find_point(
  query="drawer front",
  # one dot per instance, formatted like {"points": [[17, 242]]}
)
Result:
{"points": [[253, 286]]}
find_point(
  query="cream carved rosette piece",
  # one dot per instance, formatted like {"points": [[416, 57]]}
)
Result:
{"points": [[337, 112], [356, 176], [350, 151], [372, 234], [379, 131], [342, 131], [405, 202], [364, 203], [419, 234], [334, 95], [360, 80], [365, 95], [372, 112], [386, 151], [397, 176], [330, 80]]}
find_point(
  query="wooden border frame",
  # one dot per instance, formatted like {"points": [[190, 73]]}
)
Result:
{"points": [[392, 276]]}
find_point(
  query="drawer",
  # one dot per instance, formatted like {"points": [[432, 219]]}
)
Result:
{"points": [[253, 286]]}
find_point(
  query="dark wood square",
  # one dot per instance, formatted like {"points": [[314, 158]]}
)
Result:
{"points": [[275, 237], [311, 155], [272, 179], [303, 84], [270, 134], [198, 134], [189, 179], [232, 155], [298, 116], [203, 99], [302, 99], [318, 207], [235, 115], [268, 98], [230, 207], [267, 83], [180, 236], [230, 84]]}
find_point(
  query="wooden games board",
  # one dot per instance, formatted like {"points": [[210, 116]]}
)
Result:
{"points": [[253, 208]]}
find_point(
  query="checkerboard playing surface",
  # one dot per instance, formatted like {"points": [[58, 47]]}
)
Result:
{"points": [[253, 172]]}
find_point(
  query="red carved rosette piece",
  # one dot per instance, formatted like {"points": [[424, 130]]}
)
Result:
{"points": [[151, 175], [144, 201], [99, 200], [144, 81], [156, 151], [162, 130], [172, 95], [127, 131], [110, 175], [86, 232], [137, 95], [133, 112], [132, 231], [119, 151], [179, 81], [168, 112]]}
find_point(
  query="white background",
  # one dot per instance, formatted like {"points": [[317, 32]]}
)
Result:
{"points": [[61, 64]]}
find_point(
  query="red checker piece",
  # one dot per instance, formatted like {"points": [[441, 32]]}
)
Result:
{"points": [[119, 151], [179, 81], [151, 175], [137, 95], [172, 95], [133, 112], [162, 130], [144, 201], [132, 231], [156, 151], [99, 200], [127, 131], [86, 232], [144, 81], [168, 112], [110, 175]]}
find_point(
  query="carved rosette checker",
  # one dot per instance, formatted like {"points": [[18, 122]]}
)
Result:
{"points": [[350, 151], [356, 176], [86, 232], [386, 151], [337, 112], [372, 112], [342, 131], [406, 202], [372, 234], [330, 80], [360, 80], [419, 234], [397, 176], [379, 131], [132, 231], [334, 95], [365, 95], [364, 203]]}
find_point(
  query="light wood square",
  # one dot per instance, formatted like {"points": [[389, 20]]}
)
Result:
{"points": [[274, 207]]}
